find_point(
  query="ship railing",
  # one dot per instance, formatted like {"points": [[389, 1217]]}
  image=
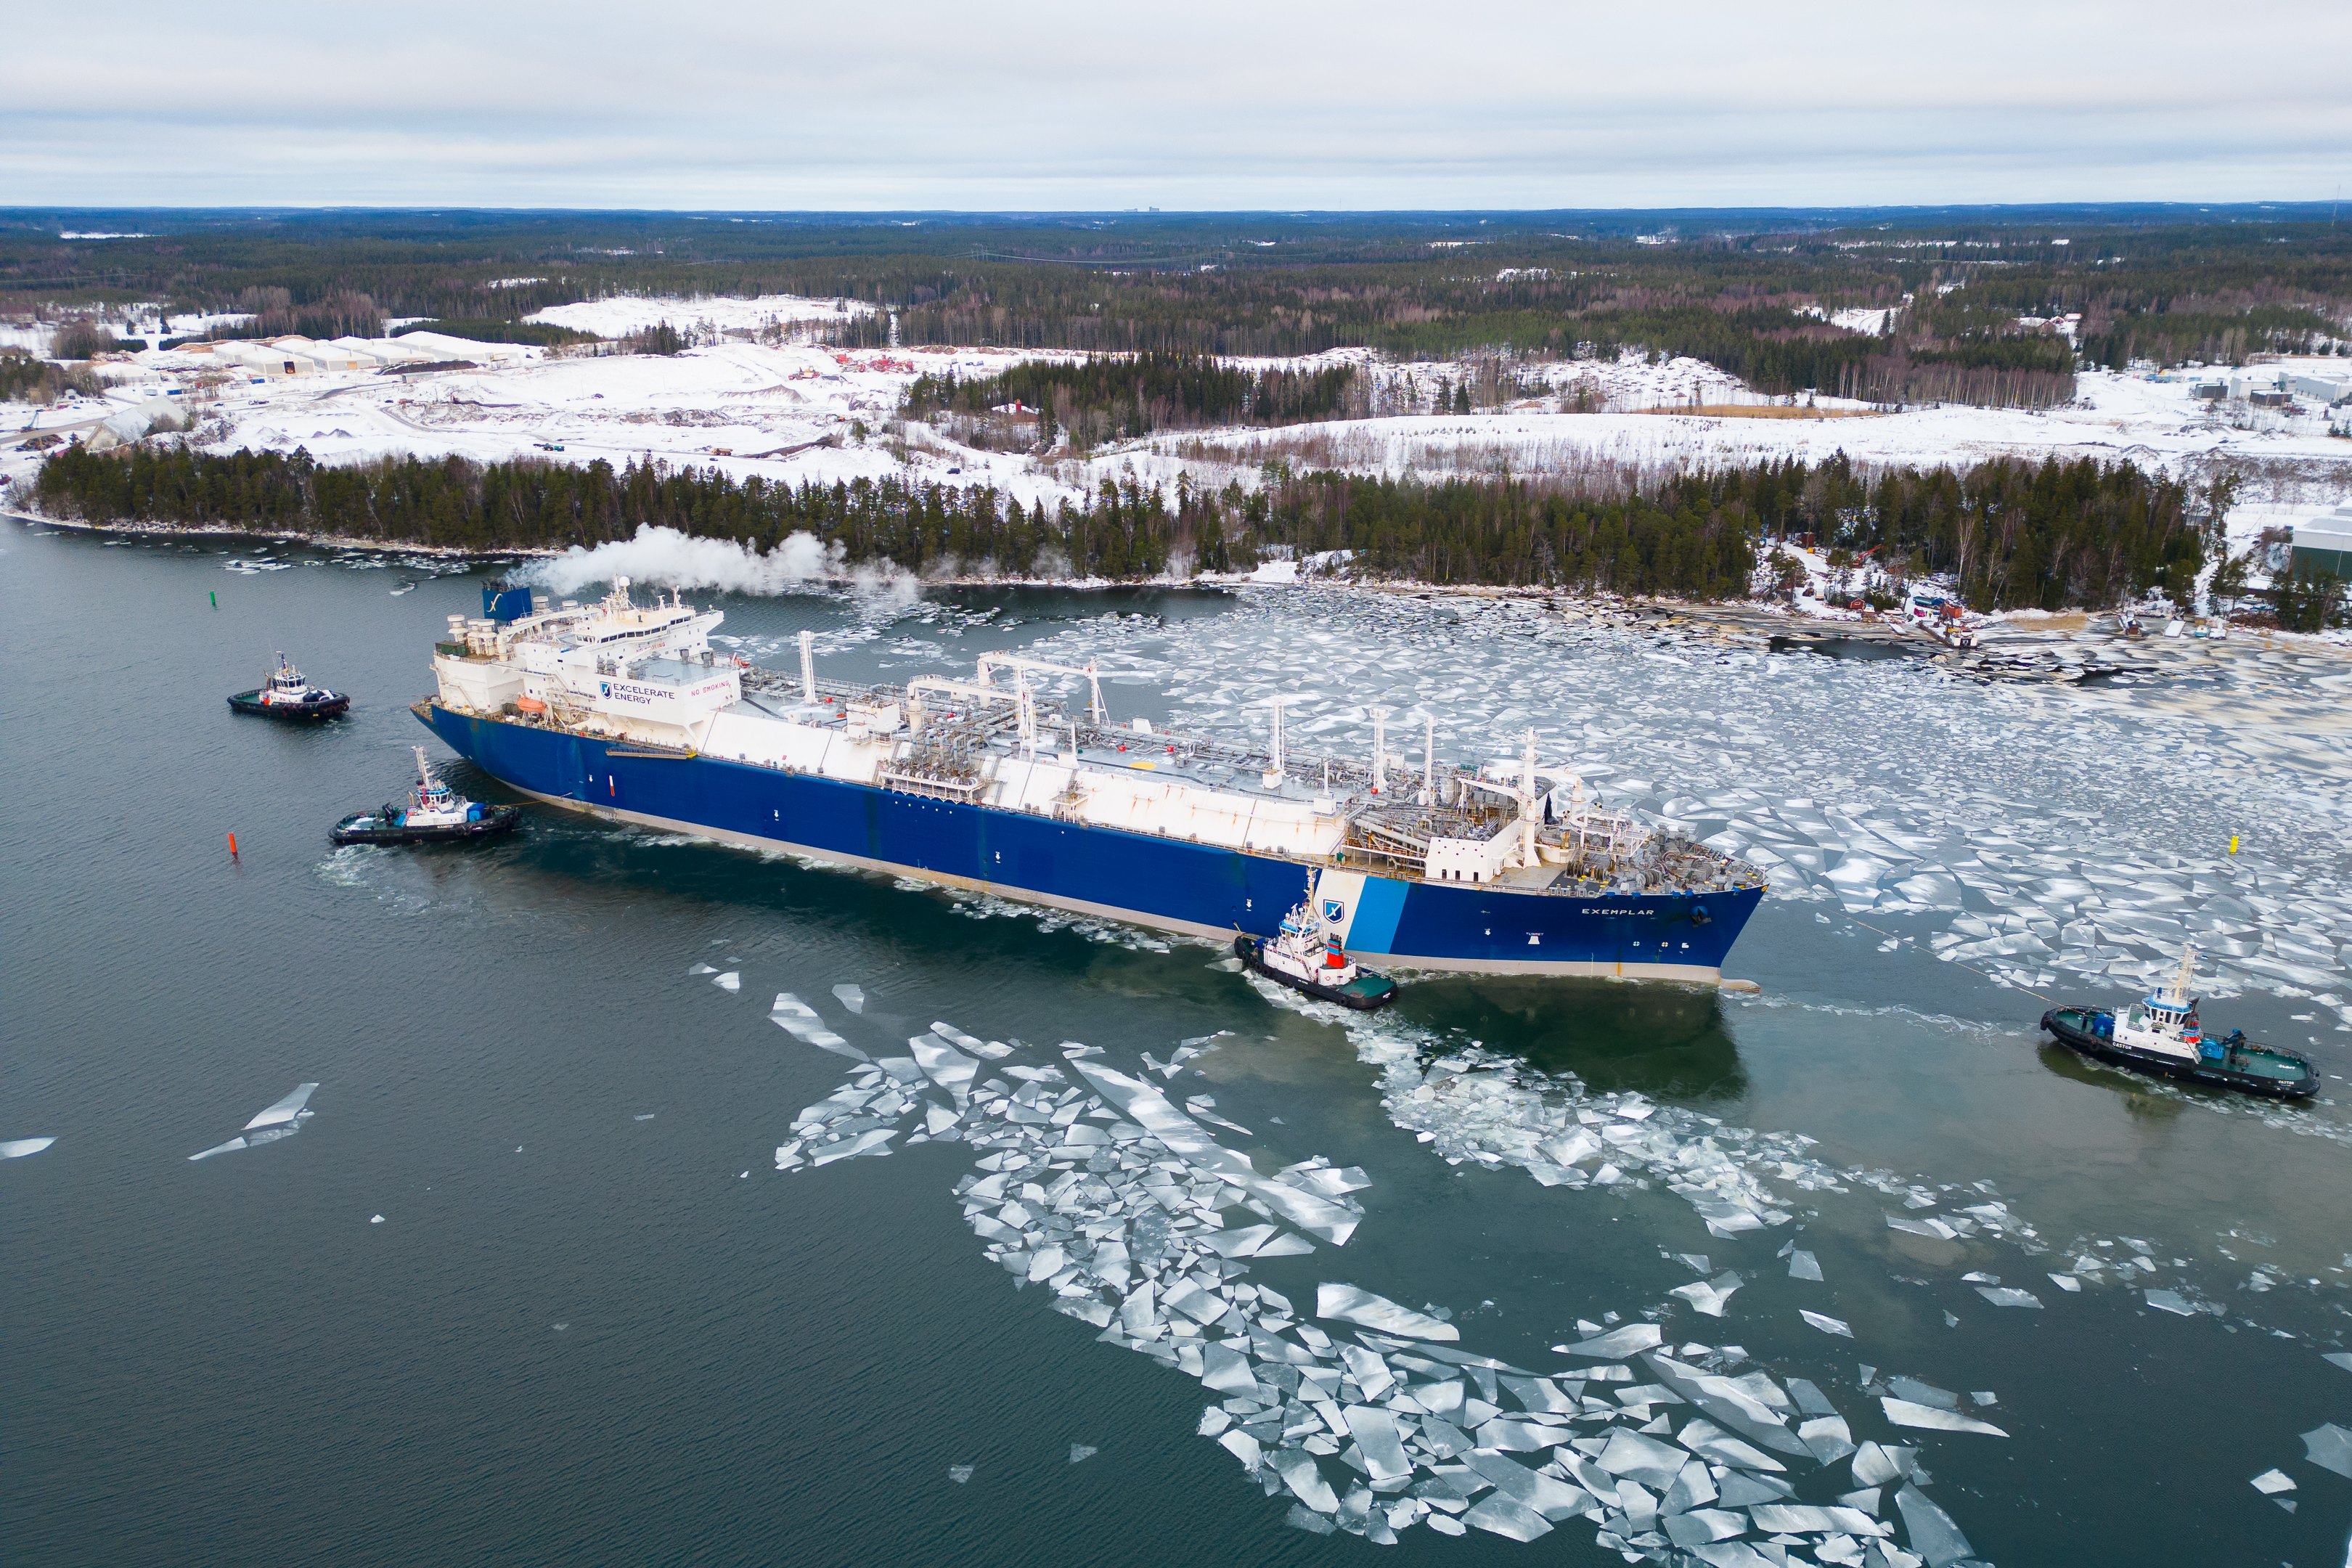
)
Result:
{"points": [[775, 682], [938, 786], [1403, 861], [1364, 830], [1348, 775]]}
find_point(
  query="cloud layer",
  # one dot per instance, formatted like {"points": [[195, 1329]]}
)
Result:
{"points": [[705, 104]]}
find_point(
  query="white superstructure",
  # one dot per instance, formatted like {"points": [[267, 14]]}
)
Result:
{"points": [[2166, 1022], [646, 675]]}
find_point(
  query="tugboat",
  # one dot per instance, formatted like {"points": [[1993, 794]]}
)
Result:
{"points": [[1305, 957], [2162, 1036], [287, 695], [435, 814]]}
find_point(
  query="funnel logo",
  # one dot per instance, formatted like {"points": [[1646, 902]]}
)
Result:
{"points": [[1334, 912]]}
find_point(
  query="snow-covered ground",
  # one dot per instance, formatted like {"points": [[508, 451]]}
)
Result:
{"points": [[746, 408], [787, 412], [2155, 422], [621, 314]]}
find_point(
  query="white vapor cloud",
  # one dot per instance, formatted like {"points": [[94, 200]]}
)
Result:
{"points": [[665, 558]]}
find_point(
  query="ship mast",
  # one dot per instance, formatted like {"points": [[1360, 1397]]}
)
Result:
{"points": [[2177, 994]]}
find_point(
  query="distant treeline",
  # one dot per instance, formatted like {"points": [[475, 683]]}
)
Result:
{"points": [[1972, 300], [23, 379], [490, 330], [2015, 534], [1108, 399]]}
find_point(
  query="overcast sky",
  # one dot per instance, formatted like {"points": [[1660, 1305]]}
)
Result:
{"points": [[1048, 104]]}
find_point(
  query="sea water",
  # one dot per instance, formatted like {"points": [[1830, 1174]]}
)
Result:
{"points": [[582, 1255]]}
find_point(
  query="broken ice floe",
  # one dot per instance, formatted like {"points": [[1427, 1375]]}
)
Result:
{"points": [[1934, 1418], [1826, 1323], [959, 1474], [1803, 1266], [282, 1119], [2007, 1296], [854, 998], [18, 1148], [1708, 1297], [284, 1110], [1616, 1344], [1345, 1303], [799, 1020], [1092, 1184], [731, 981], [1080, 1452], [1473, 1105], [2270, 1482], [2330, 1447]]}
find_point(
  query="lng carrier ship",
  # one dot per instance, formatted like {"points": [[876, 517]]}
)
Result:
{"points": [[622, 709]]}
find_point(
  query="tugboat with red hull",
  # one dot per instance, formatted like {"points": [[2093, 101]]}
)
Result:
{"points": [[2161, 1034], [287, 695]]}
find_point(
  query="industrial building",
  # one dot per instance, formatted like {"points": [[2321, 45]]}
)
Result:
{"points": [[2323, 545]]}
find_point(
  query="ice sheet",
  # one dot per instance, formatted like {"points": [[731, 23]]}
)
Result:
{"points": [[1347, 1303], [1708, 1296], [1378, 1442], [799, 1020], [2007, 1296], [1512, 1521], [944, 1064], [2330, 1447], [1906, 1413], [18, 1148], [284, 1110], [1617, 1343], [1932, 1533]]}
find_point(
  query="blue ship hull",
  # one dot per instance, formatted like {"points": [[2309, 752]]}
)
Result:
{"points": [[1172, 884]]}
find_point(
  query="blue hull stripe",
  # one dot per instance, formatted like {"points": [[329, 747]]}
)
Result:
{"points": [[1201, 888], [1378, 908]]}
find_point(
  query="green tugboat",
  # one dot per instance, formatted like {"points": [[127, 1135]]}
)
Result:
{"points": [[2161, 1034]]}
